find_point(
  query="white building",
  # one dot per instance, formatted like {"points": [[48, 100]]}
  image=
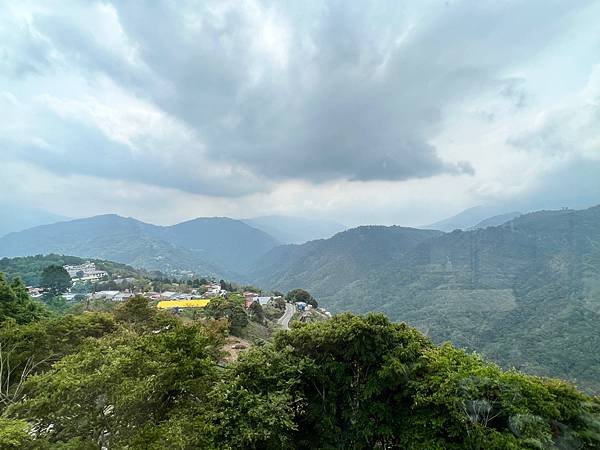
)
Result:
{"points": [[109, 295], [263, 300], [122, 296], [85, 272]]}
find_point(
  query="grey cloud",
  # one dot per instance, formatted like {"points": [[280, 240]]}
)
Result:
{"points": [[513, 90], [575, 184], [563, 132], [68, 147], [351, 102], [329, 114], [22, 52]]}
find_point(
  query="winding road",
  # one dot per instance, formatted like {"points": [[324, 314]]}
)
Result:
{"points": [[284, 320]]}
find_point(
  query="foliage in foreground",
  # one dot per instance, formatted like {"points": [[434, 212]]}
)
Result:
{"points": [[143, 379], [15, 303]]}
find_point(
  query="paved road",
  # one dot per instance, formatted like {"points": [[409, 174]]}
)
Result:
{"points": [[284, 320]]}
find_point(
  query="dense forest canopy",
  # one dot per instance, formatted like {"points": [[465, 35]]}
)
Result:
{"points": [[137, 377], [525, 294]]}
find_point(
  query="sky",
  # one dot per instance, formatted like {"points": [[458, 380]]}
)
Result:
{"points": [[371, 112]]}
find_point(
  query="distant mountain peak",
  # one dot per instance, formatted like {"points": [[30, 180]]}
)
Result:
{"points": [[468, 218], [295, 230], [208, 246]]}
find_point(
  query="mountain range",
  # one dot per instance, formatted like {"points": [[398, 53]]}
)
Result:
{"points": [[21, 218], [522, 289], [474, 217], [525, 293], [210, 246]]}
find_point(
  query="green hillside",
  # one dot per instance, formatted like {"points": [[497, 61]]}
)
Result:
{"points": [[526, 294], [30, 268], [208, 246], [327, 265], [136, 377]]}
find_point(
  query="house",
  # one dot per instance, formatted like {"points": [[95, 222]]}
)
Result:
{"points": [[35, 292], [264, 300], [85, 272], [108, 295], [124, 280], [213, 290], [122, 296], [300, 306], [249, 298]]}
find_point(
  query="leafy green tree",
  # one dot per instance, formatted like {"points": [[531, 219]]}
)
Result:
{"points": [[142, 379], [136, 313], [257, 403], [15, 303], [14, 435], [251, 288], [230, 308], [33, 347], [300, 295], [364, 383], [57, 305], [226, 286], [55, 280], [84, 287], [128, 390], [279, 302], [257, 313]]}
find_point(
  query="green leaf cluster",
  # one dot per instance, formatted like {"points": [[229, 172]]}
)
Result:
{"points": [[15, 303], [140, 378]]}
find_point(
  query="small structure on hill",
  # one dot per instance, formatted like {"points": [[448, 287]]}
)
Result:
{"points": [[249, 299], [85, 272], [108, 295], [301, 306], [172, 304]]}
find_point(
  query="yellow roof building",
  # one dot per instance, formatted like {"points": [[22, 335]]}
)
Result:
{"points": [[168, 304]]}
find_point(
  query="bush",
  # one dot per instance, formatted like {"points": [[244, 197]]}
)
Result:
{"points": [[300, 295]]}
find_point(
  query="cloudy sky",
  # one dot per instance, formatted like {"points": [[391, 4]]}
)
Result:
{"points": [[362, 112]]}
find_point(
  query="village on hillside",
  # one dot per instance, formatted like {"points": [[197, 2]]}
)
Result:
{"points": [[178, 295]]}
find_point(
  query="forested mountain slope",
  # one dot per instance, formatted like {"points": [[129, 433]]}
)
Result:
{"points": [[495, 221], [217, 246], [30, 268], [465, 219], [229, 243], [526, 293], [327, 265]]}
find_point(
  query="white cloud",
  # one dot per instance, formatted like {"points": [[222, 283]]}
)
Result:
{"points": [[370, 113]]}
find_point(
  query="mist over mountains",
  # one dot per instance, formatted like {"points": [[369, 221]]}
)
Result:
{"points": [[18, 218], [295, 230]]}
